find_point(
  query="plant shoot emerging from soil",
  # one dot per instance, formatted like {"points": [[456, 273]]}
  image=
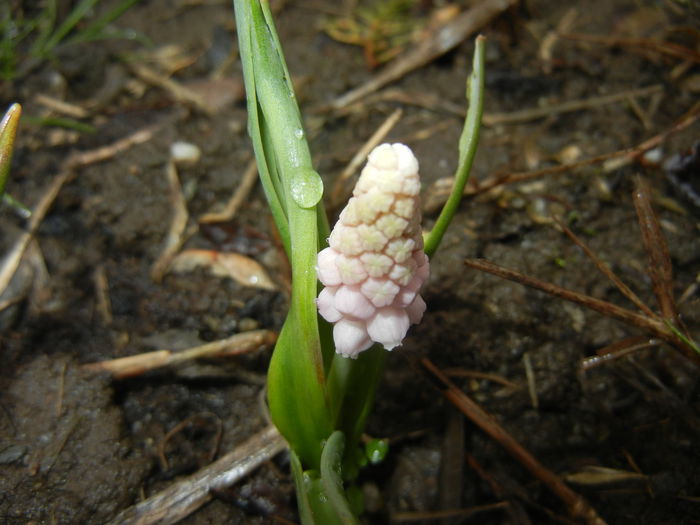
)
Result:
{"points": [[373, 270]]}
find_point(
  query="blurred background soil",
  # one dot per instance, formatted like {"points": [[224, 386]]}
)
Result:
{"points": [[98, 282]]}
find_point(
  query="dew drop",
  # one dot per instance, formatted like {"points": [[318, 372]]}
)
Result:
{"points": [[306, 187], [299, 133]]}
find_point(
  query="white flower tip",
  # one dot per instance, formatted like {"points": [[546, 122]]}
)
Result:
{"points": [[383, 157], [407, 161], [388, 326], [350, 337]]}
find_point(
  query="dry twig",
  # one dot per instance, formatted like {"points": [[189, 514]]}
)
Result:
{"points": [[577, 505], [605, 269], [124, 367], [648, 44], [425, 100], [61, 106], [184, 497], [476, 374], [660, 268], [85, 158], [239, 196], [179, 92], [667, 325], [653, 325], [12, 260], [618, 350], [525, 115], [546, 50], [613, 160], [441, 41], [104, 305], [516, 513], [177, 234]]}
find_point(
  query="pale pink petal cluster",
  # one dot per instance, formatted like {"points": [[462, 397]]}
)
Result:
{"points": [[375, 265]]}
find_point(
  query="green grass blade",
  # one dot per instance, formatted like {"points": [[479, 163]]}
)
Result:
{"points": [[46, 27], [95, 29], [21, 209], [680, 335], [61, 122], [73, 18]]}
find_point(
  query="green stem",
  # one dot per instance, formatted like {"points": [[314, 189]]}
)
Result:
{"points": [[353, 384], [467, 148]]}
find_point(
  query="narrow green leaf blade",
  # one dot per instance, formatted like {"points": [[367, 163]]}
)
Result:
{"points": [[467, 148], [332, 481], [296, 379]]}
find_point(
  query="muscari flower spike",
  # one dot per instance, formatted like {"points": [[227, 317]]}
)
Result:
{"points": [[375, 265]]}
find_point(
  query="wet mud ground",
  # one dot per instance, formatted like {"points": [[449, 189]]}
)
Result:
{"points": [[78, 447]]}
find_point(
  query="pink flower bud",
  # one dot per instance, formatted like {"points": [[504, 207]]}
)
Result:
{"points": [[375, 265]]}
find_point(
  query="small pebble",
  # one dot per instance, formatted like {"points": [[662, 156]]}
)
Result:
{"points": [[653, 156], [185, 153]]}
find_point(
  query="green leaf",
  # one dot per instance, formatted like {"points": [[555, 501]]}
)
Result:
{"points": [[331, 479], [297, 392], [255, 123], [321, 496], [303, 483], [467, 148], [81, 9]]}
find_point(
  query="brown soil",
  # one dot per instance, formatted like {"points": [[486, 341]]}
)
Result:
{"points": [[76, 447]]}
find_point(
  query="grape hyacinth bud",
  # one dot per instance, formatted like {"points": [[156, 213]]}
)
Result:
{"points": [[375, 265]]}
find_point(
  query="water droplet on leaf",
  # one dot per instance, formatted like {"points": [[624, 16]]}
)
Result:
{"points": [[306, 187]]}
